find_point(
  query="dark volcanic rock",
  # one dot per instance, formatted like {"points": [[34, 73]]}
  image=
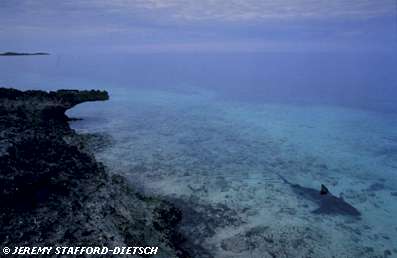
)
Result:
{"points": [[54, 192]]}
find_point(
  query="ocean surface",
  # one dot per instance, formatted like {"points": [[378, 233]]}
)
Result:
{"points": [[217, 130]]}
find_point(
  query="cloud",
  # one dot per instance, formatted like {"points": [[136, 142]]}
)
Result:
{"points": [[215, 10], [199, 25], [245, 10]]}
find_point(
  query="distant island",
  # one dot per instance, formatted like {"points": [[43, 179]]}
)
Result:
{"points": [[23, 54]]}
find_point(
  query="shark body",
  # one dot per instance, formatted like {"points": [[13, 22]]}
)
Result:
{"points": [[327, 202]]}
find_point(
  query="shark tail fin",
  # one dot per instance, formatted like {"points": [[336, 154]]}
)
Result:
{"points": [[283, 179]]}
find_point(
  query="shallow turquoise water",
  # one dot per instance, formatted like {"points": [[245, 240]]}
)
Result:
{"points": [[188, 144], [200, 145]]}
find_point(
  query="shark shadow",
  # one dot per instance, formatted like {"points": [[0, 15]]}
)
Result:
{"points": [[327, 202]]}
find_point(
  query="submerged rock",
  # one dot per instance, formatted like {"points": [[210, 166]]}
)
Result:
{"points": [[267, 241], [376, 187]]}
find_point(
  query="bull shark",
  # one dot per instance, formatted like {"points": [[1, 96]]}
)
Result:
{"points": [[327, 202]]}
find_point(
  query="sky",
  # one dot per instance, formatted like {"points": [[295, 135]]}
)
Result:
{"points": [[151, 26]]}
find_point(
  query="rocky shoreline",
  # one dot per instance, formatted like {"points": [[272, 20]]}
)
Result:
{"points": [[54, 192]]}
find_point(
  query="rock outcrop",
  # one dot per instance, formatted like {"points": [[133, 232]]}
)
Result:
{"points": [[54, 192]]}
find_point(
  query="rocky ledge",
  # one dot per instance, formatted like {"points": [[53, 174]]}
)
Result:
{"points": [[54, 192]]}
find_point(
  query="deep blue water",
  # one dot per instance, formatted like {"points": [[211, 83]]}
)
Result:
{"points": [[364, 80]]}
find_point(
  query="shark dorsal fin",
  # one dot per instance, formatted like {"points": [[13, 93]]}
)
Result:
{"points": [[324, 190]]}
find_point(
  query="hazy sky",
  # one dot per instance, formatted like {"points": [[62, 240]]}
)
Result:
{"points": [[198, 25]]}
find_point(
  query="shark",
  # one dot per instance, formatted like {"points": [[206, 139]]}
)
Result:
{"points": [[327, 203]]}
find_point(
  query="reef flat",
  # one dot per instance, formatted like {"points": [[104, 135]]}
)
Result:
{"points": [[54, 192]]}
